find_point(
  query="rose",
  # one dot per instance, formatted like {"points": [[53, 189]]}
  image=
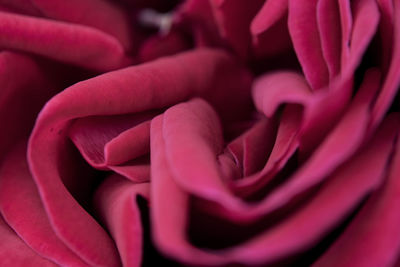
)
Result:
{"points": [[227, 185]]}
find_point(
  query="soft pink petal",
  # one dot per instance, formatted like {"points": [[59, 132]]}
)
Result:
{"points": [[116, 203]]}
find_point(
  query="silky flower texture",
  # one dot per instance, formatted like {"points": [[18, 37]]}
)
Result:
{"points": [[199, 133]]}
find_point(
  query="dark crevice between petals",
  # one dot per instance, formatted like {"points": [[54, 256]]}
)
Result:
{"points": [[370, 59], [80, 179], [151, 256], [306, 259], [212, 232]]}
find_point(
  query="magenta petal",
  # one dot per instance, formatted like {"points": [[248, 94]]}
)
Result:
{"points": [[392, 80], [286, 143], [193, 138], [372, 238], [270, 23], [81, 45], [272, 90], [269, 14], [128, 145], [252, 148], [365, 24], [134, 171], [234, 30], [344, 189], [135, 89], [304, 32], [330, 33], [21, 207], [94, 135], [99, 14], [295, 234], [21, 97], [116, 203], [14, 252], [20, 6], [169, 207]]}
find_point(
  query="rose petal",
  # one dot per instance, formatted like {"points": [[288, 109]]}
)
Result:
{"points": [[273, 89], [346, 187], [360, 175], [93, 136], [21, 97], [374, 231], [328, 19], [116, 202], [366, 19], [135, 89], [14, 252], [269, 14], [252, 148], [72, 43], [203, 180], [303, 30], [99, 14], [169, 206], [236, 31], [392, 81], [21, 207], [286, 143]]}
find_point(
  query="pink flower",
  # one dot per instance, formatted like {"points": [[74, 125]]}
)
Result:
{"points": [[199, 133]]}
